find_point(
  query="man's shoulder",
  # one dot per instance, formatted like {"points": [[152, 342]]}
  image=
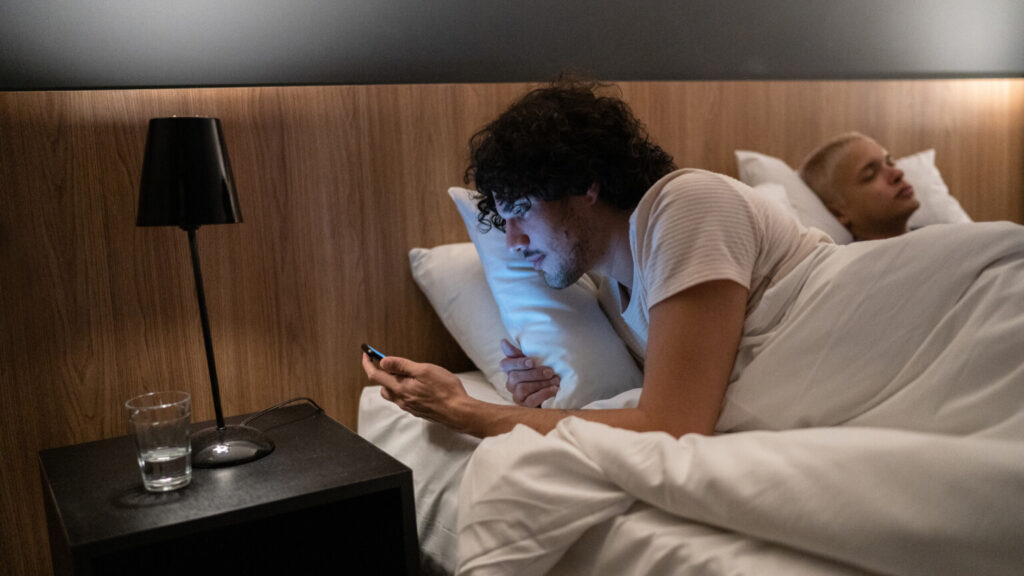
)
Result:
{"points": [[688, 176], [689, 187]]}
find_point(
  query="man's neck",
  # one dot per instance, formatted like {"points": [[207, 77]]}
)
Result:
{"points": [[889, 230], [617, 257]]}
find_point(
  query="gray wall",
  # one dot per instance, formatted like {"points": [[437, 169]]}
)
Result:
{"points": [[57, 44]]}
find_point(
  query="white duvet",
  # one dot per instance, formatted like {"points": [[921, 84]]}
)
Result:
{"points": [[874, 424]]}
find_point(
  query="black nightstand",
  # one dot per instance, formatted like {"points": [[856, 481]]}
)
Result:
{"points": [[325, 501]]}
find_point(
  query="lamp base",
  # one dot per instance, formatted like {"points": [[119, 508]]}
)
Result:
{"points": [[229, 446]]}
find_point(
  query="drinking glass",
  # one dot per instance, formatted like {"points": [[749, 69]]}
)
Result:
{"points": [[160, 423]]}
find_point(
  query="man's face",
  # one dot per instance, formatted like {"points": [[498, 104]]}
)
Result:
{"points": [[876, 198], [549, 235]]}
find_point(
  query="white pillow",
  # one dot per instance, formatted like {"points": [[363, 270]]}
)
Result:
{"points": [[777, 193], [565, 329], [756, 169], [453, 281], [937, 205]]}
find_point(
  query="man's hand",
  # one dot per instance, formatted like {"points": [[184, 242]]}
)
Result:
{"points": [[423, 390], [529, 384]]}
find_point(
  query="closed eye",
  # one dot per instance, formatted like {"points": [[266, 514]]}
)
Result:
{"points": [[868, 172]]}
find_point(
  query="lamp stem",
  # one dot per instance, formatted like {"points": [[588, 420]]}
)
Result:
{"points": [[207, 339]]}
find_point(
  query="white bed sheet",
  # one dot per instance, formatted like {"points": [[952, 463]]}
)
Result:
{"points": [[647, 540], [642, 540], [591, 499], [437, 457]]}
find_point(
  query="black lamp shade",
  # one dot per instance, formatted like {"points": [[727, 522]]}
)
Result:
{"points": [[186, 175]]}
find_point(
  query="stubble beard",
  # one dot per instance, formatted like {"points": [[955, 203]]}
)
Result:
{"points": [[570, 269]]}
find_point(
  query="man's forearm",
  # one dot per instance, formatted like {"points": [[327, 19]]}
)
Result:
{"points": [[483, 419]]}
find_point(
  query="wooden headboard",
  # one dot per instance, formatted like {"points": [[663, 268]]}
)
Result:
{"points": [[336, 183]]}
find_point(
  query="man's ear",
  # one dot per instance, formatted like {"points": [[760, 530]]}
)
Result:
{"points": [[593, 192], [839, 214]]}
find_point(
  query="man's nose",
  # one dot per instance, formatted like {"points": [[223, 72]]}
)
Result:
{"points": [[515, 240], [895, 175]]}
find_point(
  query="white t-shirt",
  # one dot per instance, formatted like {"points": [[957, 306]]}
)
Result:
{"points": [[695, 226]]}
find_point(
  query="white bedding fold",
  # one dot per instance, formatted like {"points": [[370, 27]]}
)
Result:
{"points": [[649, 541], [886, 501], [922, 332]]}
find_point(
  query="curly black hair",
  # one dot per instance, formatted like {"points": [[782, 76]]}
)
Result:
{"points": [[558, 140]]}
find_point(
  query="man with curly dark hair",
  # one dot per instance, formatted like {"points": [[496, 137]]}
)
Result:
{"points": [[571, 177], [558, 141]]}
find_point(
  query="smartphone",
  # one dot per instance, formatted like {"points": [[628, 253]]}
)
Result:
{"points": [[373, 353]]}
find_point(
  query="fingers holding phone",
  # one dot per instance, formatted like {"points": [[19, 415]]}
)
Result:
{"points": [[424, 390], [375, 355]]}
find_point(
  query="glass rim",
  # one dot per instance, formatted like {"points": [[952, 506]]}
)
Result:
{"points": [[179, 396]]}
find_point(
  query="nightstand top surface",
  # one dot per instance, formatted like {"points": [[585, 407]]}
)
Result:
{"points": [[100, 498]]}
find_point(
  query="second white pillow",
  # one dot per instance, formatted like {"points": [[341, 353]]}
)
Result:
{"points": [[453, 281]]}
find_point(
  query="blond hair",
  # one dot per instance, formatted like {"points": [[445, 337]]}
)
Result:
{"points": [[818, 170]]}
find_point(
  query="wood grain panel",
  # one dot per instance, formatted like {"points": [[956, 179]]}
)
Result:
{"points": [[335, 185]]}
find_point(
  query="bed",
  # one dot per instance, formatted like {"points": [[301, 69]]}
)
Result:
{"points": [[920, 476]]}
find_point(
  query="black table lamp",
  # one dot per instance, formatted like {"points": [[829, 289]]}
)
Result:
{"points": [[187, 182]]}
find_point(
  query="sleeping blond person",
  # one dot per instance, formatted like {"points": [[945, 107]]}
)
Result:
{"points": [[857, 181]]}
